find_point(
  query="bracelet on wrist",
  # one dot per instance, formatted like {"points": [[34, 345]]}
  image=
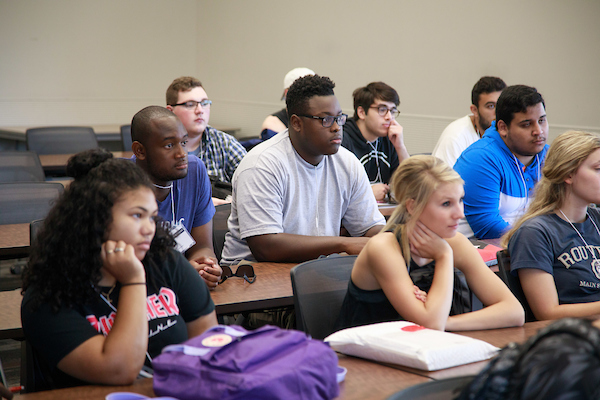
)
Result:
{"points": [[133, 283]]}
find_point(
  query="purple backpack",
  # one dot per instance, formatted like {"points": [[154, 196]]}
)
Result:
{"points": [[228, 362]]}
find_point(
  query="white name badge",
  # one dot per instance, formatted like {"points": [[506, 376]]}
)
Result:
{"points": [[183, 239]]}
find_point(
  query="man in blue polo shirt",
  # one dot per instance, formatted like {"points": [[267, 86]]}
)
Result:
{"points": [[501, 170], [182, 186]]}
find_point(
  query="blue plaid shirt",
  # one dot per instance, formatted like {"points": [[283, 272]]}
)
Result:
{"points": [[221, 153]]}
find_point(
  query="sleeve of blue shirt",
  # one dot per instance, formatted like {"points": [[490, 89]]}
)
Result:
{"points": [[205, 209], [482, 193]]}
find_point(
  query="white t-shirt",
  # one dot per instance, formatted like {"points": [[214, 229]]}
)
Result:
{"points": [[277, 191], [457, 136]]}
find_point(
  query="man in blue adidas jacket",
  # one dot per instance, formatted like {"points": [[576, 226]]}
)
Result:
{"points": [[501, 170]]}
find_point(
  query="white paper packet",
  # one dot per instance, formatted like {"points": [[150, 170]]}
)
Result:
{"points": [[410, 345]]}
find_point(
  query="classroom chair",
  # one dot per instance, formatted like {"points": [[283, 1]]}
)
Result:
{"points": [[448, 388], [513, 283], [20, 166], [319, 288], [23, 202], [32, 377], [126, 137], [220, 190], [3, 376], [34, 228], [61, 139], [250, 142], [220, 228]]}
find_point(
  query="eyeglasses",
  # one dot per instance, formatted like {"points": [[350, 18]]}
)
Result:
{"points": [[383, 110], [192, 104], [328, 120], [245, 271]]}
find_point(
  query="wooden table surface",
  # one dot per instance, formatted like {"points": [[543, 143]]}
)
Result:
{"points": [[10, 315], [386, 209], [56, 164], [272, 288], [14, 241]]}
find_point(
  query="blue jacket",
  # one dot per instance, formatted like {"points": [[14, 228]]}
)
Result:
{"points": [[497, 184]]}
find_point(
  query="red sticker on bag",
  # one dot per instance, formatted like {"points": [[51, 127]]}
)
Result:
{"points": [[218, 340], [412, 328]]}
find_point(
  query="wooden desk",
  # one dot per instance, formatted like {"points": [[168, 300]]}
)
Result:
{"points": [[10, 315], [364, 380], [56, 164], [368, 380], [386, 209], [14, 241], [272, 288], [92, 392]]}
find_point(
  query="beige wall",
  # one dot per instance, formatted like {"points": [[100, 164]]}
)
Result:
{"points": [[91, 62], [95, 62]]}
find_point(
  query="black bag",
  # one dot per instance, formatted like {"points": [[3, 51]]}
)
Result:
{"points": [[461, 297]]}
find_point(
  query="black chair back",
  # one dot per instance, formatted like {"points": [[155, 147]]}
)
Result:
{"points": [[24, 202], [319, 288], [34, 228], [220, 190], [34, 376], [61, 139], [220, 228], [2, 376], [513, 283], [126, 137], [20, 166]]}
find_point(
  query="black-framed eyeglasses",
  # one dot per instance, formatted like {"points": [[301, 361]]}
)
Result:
{"points": [[328, 120], [192, 104], [245, 271], [383, 110]]}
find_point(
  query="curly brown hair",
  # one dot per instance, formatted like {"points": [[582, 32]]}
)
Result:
{"points": [[65, 259]]}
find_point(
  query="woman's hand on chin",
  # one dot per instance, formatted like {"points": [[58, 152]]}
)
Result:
{"points": [[120, 261], [425, 243]]}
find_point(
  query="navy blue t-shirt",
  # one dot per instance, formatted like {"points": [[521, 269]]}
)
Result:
{"points": [[551, 244]]}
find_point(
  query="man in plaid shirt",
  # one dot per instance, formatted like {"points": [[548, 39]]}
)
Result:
{"points": [[220, 152]]}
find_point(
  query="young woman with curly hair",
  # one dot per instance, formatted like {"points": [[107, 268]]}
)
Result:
{"points": [[104, 291]]}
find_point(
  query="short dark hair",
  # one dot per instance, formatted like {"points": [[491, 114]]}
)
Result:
{"points": [[516, 99], [182, 84], [141, 124], [487, 84], [365, 96], [303, 89]]}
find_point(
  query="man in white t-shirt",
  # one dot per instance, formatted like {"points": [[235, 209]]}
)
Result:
{"points": [[465, 131], [293, 193]]}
